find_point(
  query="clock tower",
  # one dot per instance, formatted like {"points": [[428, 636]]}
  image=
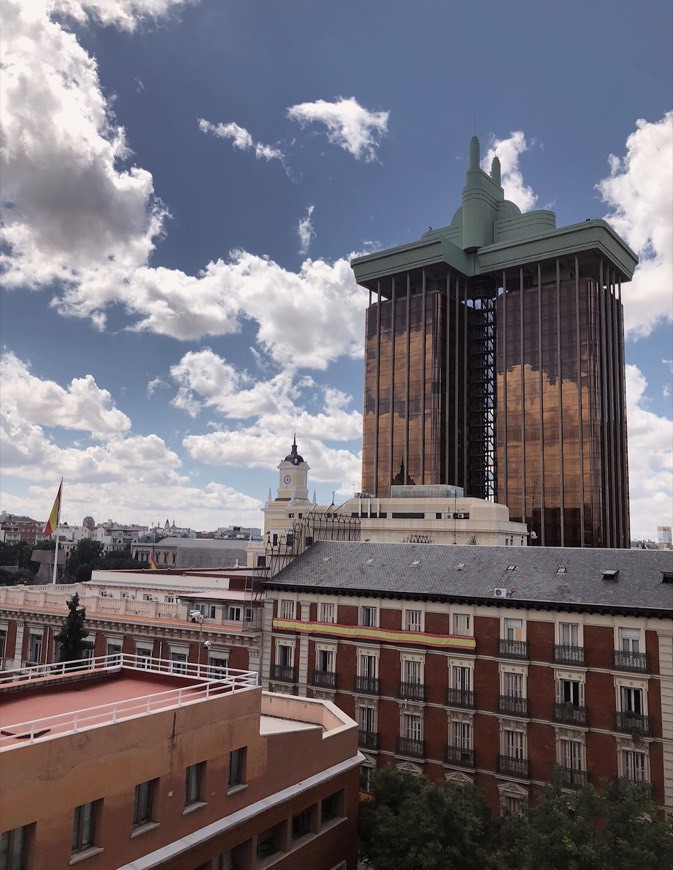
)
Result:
{"points": [[293, 477]]}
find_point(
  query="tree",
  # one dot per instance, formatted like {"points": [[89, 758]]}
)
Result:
{"points": [[82, 559], [635, 832], [71, 636], [414, 824]]}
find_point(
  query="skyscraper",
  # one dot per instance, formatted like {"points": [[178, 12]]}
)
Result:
{"points": [[494, 360]]}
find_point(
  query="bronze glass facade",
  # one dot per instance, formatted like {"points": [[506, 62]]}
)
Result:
{"points": [[510, 385]]}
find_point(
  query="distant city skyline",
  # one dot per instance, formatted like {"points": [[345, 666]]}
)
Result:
{"points": [[184, 185]]}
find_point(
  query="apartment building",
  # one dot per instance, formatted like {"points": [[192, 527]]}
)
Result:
{"points": [[489, 665], [125, 763]]}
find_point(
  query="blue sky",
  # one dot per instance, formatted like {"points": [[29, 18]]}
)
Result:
{"points": [[184, 183]]}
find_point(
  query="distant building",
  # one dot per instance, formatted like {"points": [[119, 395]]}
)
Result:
{"points": [[665, 537], [485, 665], [15, 528], [135, 764], [494, 360]]}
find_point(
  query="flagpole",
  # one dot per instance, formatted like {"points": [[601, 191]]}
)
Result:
{"points": [[53, 579]]}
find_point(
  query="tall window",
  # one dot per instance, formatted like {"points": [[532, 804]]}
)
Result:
{"points": [[234, 613], [14, 848], [512, 684], [286, 608], [194, 783], [3, 647], [570, 754], [284, 655], [412, 726], [634, 765], [366, 718], [412, 671], [569, 634], [35, 648], [143, 800], [367, 665], [178, 662], [461, 678], [631, 700], [461, 624], [144, 656], [461, 733], [237, 758], [218, 662], [84, 827], [629, 640], [325, 660], [413, 620], [369, 616], [513, 629], [327, 612], [514, 743], [570, 692]]}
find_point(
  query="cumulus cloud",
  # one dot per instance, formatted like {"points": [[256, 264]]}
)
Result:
{"points": [[82, 406], [305, 230], [508, 151], [241, 139], [349, 125], [124, 14], [639, 193], [70, 205], [650, 460]]}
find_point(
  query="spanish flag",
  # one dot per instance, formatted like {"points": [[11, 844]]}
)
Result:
{"points": [[52, 522], [153, 564]]}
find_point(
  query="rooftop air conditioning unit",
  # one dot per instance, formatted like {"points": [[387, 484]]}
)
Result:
{"points": [[499, 592]]}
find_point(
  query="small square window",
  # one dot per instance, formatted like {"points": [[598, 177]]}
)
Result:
{"points": [[286, 608], [301, 823], [332, 807], [237, 759]]}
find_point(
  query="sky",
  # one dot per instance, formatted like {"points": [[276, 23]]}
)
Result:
{"points": [[185, 183]]}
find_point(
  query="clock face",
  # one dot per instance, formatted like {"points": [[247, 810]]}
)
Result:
{"points": [[287, 479]]}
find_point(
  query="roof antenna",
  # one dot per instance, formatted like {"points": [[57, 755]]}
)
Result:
{"points": [[475, 125]]}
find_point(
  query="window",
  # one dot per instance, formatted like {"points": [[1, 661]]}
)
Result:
{"points": [[284, 655], [234, 613], [513, 743], [143, 801], [217, 665], [369, 616], [570, 692], [513, 629], [412, 671], [35, 648], [366, 718], [178, 663], [237, 759], [15, 847], [461, 734], [301, 823], [324, 660], [286, 608], [212, 611], [144, 656], [412, 726], [631, 700], [367, 665], [413, 620], [84, 827], [461, 624], [629, 640], [634, 765], [3, 647], [512, 684], [461, 678], [327, 612], [512, 805], [194, 783], [569, 634], [570, 754], [113, 649], [331, 807]]}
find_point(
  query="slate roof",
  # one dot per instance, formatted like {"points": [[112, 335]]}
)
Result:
{"points": [[460, 572]]}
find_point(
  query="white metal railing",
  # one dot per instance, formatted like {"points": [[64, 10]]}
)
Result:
{"points": [[210, 682]]}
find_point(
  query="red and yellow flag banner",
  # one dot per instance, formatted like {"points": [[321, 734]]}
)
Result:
{"points": [[52, 522], [153, 564]]}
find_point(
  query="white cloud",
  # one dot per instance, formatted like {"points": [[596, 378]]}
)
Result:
{"points": [[241, 139], [82, 406], [639, 192], [124, 14], [650, 460], [349, 125], [508, 152], [305, 230], [69, 208]]}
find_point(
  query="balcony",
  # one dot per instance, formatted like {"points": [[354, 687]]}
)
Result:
{"points": [[512, 705], [324, 679], [458, 755], [284, 673], [573, 778], [410, 747], [629, 723], [622, 660], [460, 698], [366, 685], [568, 655], [512, 766], [512, 649], [411, 691], [368, 739], [570, 714]]}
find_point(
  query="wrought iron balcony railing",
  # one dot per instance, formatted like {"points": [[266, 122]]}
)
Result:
{"points": [[411, 691], [368, 739], [512, 766], [622, 660], [284, 673], [460, 698], [409, 746], [366, 685], [632, 722], [458, 755], [568, 655], [570, 714], [324, 679], [573, 778], [513, 649], [513, 705]]}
